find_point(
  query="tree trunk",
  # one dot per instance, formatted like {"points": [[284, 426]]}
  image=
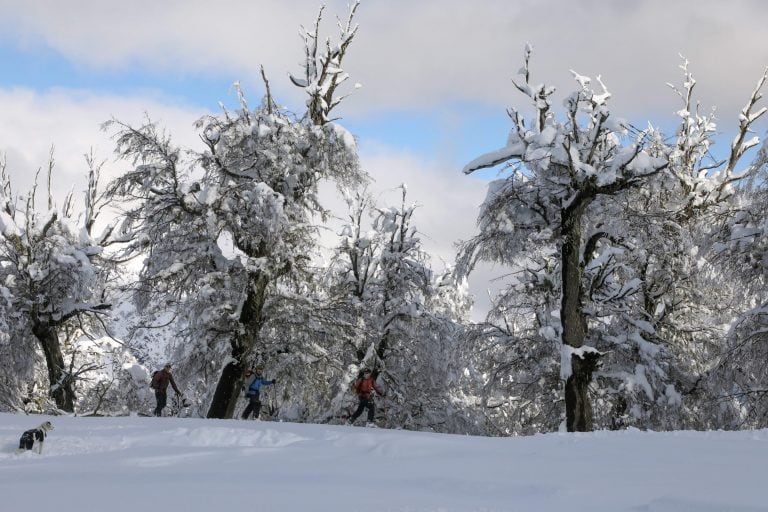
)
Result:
{"points": [[571, 308], [578, 408], [227, 391], [60, 384], [228, 388]]}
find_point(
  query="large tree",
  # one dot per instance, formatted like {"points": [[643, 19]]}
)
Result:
{"points": [[51, 274], [569, 214], [686, 298], [563, 172], [219, 227], [742, 249]]}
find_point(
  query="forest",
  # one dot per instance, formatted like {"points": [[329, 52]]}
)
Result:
{"points": [[636, 261]]}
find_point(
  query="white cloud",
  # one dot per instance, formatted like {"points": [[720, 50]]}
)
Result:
{"points": [[417, 54], [449, 200], [70, 121]]}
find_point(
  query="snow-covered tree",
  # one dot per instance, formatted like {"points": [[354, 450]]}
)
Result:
{"points": [[686, 300], [221, 226], [553, 197], [377, 304], [51, 275], [512, 358], [742, 249], [405, 320], [691, 296], [613, 227]]}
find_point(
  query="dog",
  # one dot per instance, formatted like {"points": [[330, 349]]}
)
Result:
{"points": [[33, 439]]}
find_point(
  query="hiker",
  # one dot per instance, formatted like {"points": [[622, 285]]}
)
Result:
{"points": [[254, 381], [365, 385], [160, 381]]}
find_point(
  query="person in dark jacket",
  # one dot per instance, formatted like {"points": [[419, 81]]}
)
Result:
{"points": [[365, 385], [160, 381], [254, 382]]}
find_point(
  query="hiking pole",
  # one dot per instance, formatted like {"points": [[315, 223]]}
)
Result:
{"points": [[384, 410], [273, 404]]}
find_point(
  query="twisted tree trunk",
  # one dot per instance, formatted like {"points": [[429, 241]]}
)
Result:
{"points": [[231, 379], [60, 383]]}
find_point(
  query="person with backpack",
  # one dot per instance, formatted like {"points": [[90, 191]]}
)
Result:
{"points": [[160, 381], [254, 381], [364, 386]]}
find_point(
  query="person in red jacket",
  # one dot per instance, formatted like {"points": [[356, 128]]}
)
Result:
{"points": [[365, 385], [160, 381]]}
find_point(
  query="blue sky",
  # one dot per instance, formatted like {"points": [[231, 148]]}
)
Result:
{"points": [[435, 75], [456, 131]]}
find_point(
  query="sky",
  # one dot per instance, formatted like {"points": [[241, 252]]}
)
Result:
{"points": [[435, 75], [130, 464]]}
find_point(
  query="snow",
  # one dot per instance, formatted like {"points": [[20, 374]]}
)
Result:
{"points": [[262, 130], [673, 397], [137, 372], [641, 380], [134, 463], [345, 136], [566, 352], [8, 227], [548, 136], [495, 157]]}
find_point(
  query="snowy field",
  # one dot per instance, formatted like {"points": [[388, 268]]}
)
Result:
{"points": [[193, 465]]}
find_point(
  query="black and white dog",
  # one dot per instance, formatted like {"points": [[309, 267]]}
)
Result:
{"points": [[33, 439]]}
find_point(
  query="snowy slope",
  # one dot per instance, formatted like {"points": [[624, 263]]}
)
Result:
{"points": [[133, 464]]}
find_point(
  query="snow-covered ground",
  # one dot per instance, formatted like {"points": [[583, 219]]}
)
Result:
{"points": [[189, 465]]}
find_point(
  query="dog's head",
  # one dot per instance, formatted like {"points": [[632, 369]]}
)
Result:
{"points": [[46, 426]]}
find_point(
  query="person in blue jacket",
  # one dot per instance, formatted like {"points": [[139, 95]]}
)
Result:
{"points": [[254, 382]]}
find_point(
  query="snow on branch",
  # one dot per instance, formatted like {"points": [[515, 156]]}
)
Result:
{"points": [[495, 158], [746, 119], [323, 72]]}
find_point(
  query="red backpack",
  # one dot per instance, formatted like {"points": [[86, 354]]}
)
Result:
{"points": [[155, 380]]}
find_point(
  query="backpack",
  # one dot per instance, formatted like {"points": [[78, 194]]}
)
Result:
{"points": [[155, 380], [253, 391]]}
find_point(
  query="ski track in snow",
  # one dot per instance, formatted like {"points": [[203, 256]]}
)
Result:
{"points": [[194, 465]]}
